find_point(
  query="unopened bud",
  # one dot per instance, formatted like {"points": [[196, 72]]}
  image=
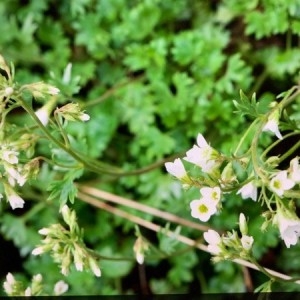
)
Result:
{"points": [[243, 224]]}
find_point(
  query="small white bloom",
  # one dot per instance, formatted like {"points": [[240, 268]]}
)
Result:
{"points": [[14, 175], [8, 91], [38, 278], [84, 117], [247, 242], [78, 259], [43, 115], [10, 279], [295, 170], [10, 156], [212, 194], [176, 168], [281, 183], [44, 231], [272, 125], [15, 201], [27, 292], [203, 155], [203, 209], [60, 288], [52, 90], [289, 229], [140, 258], [214, 241], [95, 268], [249, 190], [9, 283], [38, 250]]}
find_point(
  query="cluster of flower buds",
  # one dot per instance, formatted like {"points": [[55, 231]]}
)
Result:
{"points": [[67, 246], [72, 112], [13, 287], [231, 245], [15, 174]]}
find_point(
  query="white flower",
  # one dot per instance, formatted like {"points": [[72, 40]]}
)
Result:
{"points": [[38, 250], [52, 90], [28, 292], [10, 156], [8, 91], [44, 231], [60, 288], [203, 209], [140, 258], [289, 228], [281, 183], [247, 242], [37, 278], [9, 283], [214, 241], [249, 190], [94, 266], [202, 155], [43, 115], [14, 175], [15, 201], [272, 125], [295, 170], [84, 117], [212, 194], [176, 168], [78, 259]]}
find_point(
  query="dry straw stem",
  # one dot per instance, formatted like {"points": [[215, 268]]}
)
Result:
{"points": [[141, 207], [91, 195]]}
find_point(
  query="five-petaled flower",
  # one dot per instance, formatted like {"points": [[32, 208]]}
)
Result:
{"points": [[214, 241], [272, 124], [176, 168], [249, 190], [289, 227], [203, 209], [281, 183], [212, 194], [203, 155]]}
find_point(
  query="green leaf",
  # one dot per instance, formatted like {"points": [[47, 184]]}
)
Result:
{"points": [[64, 190]]}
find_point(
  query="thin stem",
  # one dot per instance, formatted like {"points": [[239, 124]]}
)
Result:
{"points": [[35, 209], [140, 221], [141, 207], [260, 80], [289, 152], [245, 135], [65, 137], [94, 167], [179, 237], [110, 92], [277, 142]]}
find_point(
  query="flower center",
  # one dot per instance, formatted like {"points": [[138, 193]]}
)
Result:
{"points": [[203, 209]]}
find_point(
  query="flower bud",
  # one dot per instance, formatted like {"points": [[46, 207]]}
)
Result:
{"points": [[72, 112], [243, 224]]}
